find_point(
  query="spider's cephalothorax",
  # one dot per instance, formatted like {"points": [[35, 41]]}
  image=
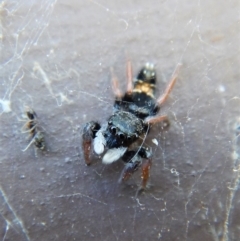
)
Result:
{"points": [[135, 113], [124, 128]]}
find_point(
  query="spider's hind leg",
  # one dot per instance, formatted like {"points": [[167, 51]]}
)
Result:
{"points": [[169, 88], [89, 132], [115, 85], [129, 78], [160, 101]]}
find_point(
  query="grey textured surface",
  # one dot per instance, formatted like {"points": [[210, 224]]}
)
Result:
{"points": [[56, 57]]}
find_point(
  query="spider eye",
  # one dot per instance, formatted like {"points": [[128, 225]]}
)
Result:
{"points": [[129, 138], [109, 122], [121, 136], [113, 130]]}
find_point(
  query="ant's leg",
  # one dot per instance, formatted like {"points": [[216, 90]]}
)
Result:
{"points": [[89, 133], [30, 143], [30, 126], [167, 91]]}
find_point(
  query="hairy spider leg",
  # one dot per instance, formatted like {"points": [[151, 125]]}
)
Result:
{"points": [[169, 88], [129, 169], [156, 119], [163, 98], [134, 161], [115, 83], [86, 150], [145, 172], [89, 132], [129, 78]]}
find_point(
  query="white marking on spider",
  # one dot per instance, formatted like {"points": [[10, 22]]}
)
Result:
{"points": [[155, 141], [149, 66], [113, 155], [99, 143]]}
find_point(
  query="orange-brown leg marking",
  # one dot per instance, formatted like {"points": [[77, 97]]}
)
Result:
{"points": [[146, 172], [125, 175], [115, 87], [166, 93], [86, 150], [89, 131], [129, 77], [156, 119], [128, 170]]}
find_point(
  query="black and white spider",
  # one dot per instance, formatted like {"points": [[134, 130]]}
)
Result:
{"points": [[135, 112]]}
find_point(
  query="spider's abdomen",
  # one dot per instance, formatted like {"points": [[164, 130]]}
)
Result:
{"points": [[141, 102], [146, 81], [144, 91]]}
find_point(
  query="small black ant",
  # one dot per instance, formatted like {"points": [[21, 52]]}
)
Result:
{"points": [[32, 127]]}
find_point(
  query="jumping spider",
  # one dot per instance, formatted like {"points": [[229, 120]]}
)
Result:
{"points": [[135, 112], [31, 126]]}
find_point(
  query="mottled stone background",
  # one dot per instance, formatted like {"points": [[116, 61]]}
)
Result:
{"points": [[55, 56]]}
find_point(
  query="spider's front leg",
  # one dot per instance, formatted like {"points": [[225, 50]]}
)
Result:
{"points": [[134, 161], [89, 133]]}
